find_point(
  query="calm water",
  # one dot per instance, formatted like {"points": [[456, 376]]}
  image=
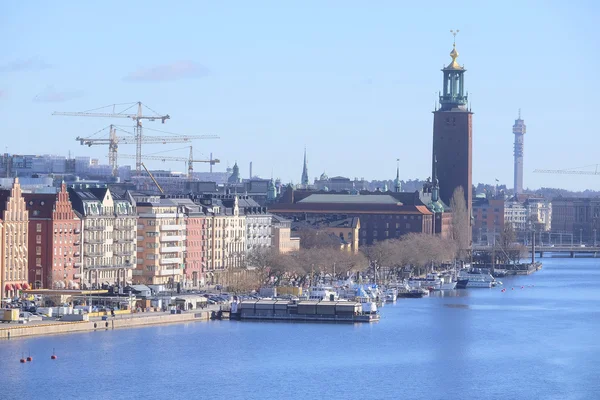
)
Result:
{"points": [[539, 342]]}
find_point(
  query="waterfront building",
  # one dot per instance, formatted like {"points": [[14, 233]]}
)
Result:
{"points": [[283, 242], [258, 224], [13, 241], [452, 135], [383, 215], [515, 214], [347, 230], [579, 217], [54, 241], [161, 244], [539, 214], [519, 130], [109, 235], [488, 219]]}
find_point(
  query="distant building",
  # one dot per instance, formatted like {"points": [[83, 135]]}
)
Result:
{"points": [[488, 220], [283, 242], [109, 233], [515, 214], [340, 184], [382, 215], [14, 227], [54, 241], [346, 230], [539, 214], [304, 181], [579, 217], [258, 224]]}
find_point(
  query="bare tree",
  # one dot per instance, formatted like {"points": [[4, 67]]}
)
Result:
{"points": [[316, 238], [460, 222], [509, 250], [262, 261]]}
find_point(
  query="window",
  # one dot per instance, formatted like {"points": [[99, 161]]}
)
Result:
{"points": [[38, 239], [38, 227], [38, 250]]}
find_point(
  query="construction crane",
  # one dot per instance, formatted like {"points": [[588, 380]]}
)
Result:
{"points": [[113, 142], [189, 161], [571, 171], [153, 180], [137, 119]]}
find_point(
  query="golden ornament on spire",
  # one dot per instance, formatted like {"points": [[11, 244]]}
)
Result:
{"points": [[454, 53]]}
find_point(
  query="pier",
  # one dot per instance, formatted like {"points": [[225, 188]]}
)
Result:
{"points": [[565, 251]]}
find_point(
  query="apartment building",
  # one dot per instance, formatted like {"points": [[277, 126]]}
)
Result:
{"points": [[54, 241], [258, 224], [109, 235], [162, 236], [13, 241], [283, 241]]}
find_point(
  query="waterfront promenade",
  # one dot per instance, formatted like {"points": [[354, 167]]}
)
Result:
{"points": [[51, 327]]}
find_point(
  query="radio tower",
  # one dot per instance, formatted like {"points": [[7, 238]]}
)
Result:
{"points": [[519, 130]]}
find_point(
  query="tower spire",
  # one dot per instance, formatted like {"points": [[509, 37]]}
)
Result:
{"points": [[397, 185], [304, 180]]}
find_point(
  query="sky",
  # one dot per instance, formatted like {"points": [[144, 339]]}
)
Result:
{"points": [[353, 82]]}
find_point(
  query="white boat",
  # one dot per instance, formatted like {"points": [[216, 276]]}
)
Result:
{"points": [[434, 282], [475, 278], [319, 293], [391, 295]]}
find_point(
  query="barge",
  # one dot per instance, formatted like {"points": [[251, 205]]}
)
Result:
{"points": [[304, 311]]}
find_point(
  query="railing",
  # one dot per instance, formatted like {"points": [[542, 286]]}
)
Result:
{"points": [[95, 228], [174, 238], [123, 253], [172, 227], [168, 272], [171, 260], [94, 241], [125, 240], [172, 249], [94, 253]]}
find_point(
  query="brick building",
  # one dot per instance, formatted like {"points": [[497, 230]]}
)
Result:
{"points": [[13, 241], [577, 216], [54, 241], [488, 219], [383, 215]]}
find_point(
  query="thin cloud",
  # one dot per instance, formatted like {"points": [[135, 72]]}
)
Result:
{"points": [[27, 64], [51, 95], [169, 72]]}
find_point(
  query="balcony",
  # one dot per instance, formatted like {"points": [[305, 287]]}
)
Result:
{"points": [[94, 253], [169, 272], [76, 276], [77, 230], [95, 228], [94, 241], [76, 254], [123, 253], [77, 264], [172, 227], [172, 249], [76, 243], [171, 260], [125, 240], [122, 228], [174, 238]]}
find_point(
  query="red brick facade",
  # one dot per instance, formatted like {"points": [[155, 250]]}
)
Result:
{"points": [[54, 241], [195, 256]]}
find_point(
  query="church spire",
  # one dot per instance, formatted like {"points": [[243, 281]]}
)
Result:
{"points": [[304, 180], [397, 186]]}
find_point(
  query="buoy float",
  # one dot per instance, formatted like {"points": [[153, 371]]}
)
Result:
{"points": [[512, 288], [22, 360], [521, 287], [53, 356]]}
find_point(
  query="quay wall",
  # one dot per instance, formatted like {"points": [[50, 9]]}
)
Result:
{"points": [[87, 326]]}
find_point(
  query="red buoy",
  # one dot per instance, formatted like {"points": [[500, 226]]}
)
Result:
{"points": [[22, 360], [512, 288], [53, 356], [29, 358]]}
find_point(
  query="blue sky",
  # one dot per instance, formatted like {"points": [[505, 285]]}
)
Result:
{"points": [[353, 81]]}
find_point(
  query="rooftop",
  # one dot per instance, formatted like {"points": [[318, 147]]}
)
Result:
{"points": [[350, 199]]}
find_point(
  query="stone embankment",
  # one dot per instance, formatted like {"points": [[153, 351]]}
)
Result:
{"points": [[131, 321]]}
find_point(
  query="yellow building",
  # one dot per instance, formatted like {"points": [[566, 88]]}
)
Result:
{"points": [[13, 241], [283, 242], [161, 242], [347, 230]]}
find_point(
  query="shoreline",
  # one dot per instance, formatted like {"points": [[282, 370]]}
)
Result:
{"points": [[45, 329]]}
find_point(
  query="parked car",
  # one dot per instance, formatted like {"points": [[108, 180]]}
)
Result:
{"points": [[29, 317]]}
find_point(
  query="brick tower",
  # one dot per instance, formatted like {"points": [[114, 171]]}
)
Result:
{"points": [[452, 134]]}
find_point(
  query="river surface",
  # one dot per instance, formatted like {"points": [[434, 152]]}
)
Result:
{"points": [[541, 341]]}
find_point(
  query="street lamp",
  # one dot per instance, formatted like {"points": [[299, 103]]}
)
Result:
{"points": [[580, 236], [594, 237]]}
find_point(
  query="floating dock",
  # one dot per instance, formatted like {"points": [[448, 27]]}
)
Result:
{"points": [[304, 311]]}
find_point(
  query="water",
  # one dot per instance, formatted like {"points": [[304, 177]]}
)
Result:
{"points": [[539, 342]]}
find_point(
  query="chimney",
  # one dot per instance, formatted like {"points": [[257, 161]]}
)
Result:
{"points": [[250, 169]]}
